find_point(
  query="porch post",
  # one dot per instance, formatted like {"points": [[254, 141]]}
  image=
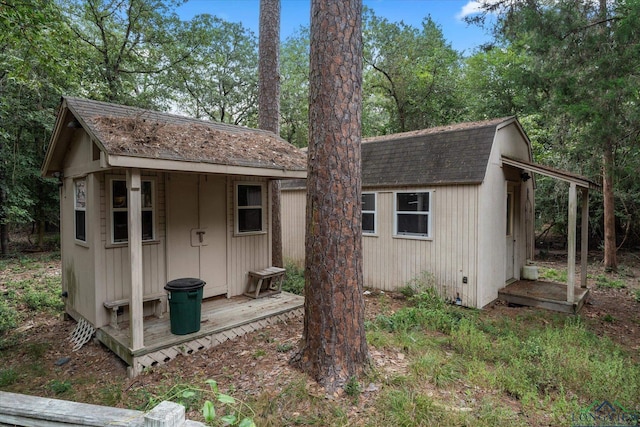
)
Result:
{"points": [[135, 257], [571, 244], [584, 241]]}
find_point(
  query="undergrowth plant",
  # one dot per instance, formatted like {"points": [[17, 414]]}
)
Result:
{"points": [[230, 411], [550, 364], [602, 281], [293, 279]]}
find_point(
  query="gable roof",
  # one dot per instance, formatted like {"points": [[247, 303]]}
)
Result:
{"points": [[454, 154], [135, 137]]}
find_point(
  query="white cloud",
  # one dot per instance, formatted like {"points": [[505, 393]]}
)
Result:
{"points": [[471, 8]]}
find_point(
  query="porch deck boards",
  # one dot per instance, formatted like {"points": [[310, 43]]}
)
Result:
{"points": [[543, 294], [221, 319]]}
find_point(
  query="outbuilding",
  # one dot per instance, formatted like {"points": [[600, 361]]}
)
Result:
{"points": [[454, 201], [149, 197]]}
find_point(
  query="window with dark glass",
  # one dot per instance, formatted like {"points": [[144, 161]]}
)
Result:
{"points": [[80, 208], [368, 213], [249, 208], [119, 211], [413, 213]]}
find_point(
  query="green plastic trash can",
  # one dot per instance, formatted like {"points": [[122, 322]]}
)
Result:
{"points": [[185, 301]]}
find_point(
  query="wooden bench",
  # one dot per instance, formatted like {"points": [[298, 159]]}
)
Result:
{"points": [[114, 306], [265, 282]]}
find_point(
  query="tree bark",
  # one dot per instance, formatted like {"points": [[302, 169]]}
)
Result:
{"points": [[4, 232], [269, 105], [334, 347], [610, 257]]}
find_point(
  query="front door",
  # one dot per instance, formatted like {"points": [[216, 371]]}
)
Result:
{"points": [[196, 230]]}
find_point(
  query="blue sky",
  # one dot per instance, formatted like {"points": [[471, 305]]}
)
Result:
{"points": [[295, 13]]}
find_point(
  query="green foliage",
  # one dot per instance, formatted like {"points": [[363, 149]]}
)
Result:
{"points": [[8, 317], [571, 66], [603, 281], [59, 387], [284, 347], [294, 97], [8, 377], [293, 279], [353, 388], [428, 310], [404, 68], [553, 275], [218, 408], [637, 295]]}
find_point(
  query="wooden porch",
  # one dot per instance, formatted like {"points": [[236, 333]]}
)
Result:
{"points": [[222, 319], [543, 294]]}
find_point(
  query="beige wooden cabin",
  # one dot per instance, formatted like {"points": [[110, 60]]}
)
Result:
{"points": [[455, 201], [148, 197]]}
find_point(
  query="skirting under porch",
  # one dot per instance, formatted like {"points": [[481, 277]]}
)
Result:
{"points": [[222, 319], [543, 294]]}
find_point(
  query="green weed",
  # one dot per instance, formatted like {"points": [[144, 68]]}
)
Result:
{"points": [[293, 279], [59, 387], [8, 317], [602, 281], [352, 388], [8, 377], [553, 275], [284, 347]]}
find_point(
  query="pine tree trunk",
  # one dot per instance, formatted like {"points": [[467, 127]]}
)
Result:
{"points": [[269, 104], [334, 347], [610, 257], [4, 232]]}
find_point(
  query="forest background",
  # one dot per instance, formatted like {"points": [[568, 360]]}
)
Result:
{"points": [[569, 69]]}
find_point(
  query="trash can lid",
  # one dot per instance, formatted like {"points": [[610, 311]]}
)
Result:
{"points": [[185, 284]]}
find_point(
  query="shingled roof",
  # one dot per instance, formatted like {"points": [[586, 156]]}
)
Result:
{"points": [[444, 155], [123, 131], [454, 154]]}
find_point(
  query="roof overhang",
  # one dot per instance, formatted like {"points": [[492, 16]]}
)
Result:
{"points": [[117, 161], [569, 177]]}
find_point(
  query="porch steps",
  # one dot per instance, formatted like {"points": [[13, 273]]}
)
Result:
{"points": [[543, 294]]}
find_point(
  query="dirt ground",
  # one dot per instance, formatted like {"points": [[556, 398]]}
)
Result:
{"points": [[258, 362]]}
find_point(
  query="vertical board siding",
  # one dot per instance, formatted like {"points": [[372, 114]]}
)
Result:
{"points": [[391, 262], [248, 252], [116, 277], [293, 205]]}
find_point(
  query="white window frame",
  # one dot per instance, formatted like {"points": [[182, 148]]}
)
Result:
{"points": [[146, 207], [428, 214], [374, 212], [77, 208], [262, 207]]}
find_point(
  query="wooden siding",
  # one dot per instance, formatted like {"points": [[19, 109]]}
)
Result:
{"points": [[78, 257], [112, 278], [293, 203], [389, 262], [250, 251], [449, 255]]}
